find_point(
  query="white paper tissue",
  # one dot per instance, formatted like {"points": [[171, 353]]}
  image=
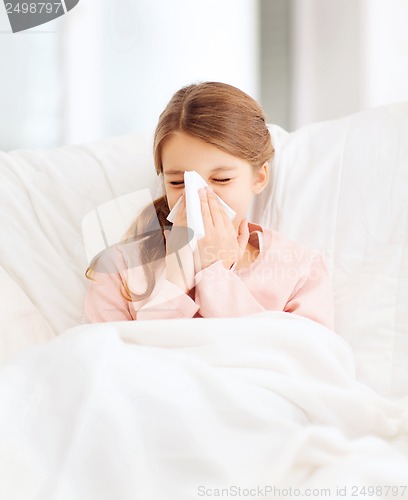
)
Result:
{"points": [[192, 183]]}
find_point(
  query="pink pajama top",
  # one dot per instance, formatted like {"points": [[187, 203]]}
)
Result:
{"points": [[286, 276]]}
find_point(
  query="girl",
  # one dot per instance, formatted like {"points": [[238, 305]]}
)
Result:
{"points": [[239, 267]]}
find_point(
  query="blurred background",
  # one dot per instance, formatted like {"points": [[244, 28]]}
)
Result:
{"points": [[109, 67]]}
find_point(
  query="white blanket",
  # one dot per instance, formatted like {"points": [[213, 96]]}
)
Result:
{"points": [[182, 409]]}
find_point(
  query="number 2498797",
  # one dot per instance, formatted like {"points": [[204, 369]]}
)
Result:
{"points": [[34, 8]]}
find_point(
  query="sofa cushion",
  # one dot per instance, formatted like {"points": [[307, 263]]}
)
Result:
{"points": [[342, 187]]}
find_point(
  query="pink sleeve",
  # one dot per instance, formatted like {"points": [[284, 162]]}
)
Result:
{"points": [[170, 302], [313, 295], [104, 302], [221, 293]]}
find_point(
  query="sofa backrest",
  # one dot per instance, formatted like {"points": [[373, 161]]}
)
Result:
{"points": [[46, 196], [342, 187]]}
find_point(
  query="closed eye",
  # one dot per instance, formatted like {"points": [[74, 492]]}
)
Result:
{"points": [[179, 183]]}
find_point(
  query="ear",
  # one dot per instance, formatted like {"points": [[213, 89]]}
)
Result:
{"points": [[261, 178]]}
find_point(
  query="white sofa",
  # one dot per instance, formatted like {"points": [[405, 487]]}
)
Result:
{"points": [[341, 186], [79, 401]]}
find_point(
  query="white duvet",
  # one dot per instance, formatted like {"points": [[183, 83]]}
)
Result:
{"points": [[256, 407]]}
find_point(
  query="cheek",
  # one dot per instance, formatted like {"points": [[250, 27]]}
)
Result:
{"points": [[225, 197], [235, 197], [232, 197]]}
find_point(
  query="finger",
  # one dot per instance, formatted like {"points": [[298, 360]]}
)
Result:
{"points": [[215, 209], [205, 209], [225, 216]]}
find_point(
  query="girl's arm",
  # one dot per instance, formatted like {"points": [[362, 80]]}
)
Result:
{"points": [[313, 294], [104, 302], [168, 302], [222, 293]]}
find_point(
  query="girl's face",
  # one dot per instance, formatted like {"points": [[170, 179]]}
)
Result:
{"points": [[231, 178]]}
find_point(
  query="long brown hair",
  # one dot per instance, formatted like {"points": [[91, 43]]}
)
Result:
{"points": [[218, 114]]}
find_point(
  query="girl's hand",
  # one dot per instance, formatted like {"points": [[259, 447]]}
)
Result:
{"points": [[221, 241], [179, 256]]}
